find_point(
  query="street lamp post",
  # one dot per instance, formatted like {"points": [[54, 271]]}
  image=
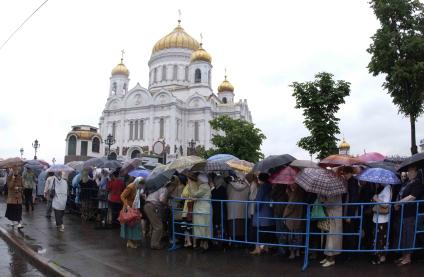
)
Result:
{"points": [[110, 140], [22, 152], [54, 161], [36, 145], [192, 145]]}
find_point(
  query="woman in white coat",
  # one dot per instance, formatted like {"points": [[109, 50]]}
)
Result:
{"points": [[60, 187]]}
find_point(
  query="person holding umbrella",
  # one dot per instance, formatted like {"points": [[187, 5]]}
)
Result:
{"points": [[60, 188], [29, 182], [14, 197]]}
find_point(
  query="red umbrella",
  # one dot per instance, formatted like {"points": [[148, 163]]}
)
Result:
{"points": [[371, 157], [339, 160], [284, 176]]}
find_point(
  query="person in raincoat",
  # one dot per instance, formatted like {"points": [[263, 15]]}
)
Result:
{"points": [[14, 197], [59, 200], [237, 190], [187, 214], [29, 182], [202, 210]]}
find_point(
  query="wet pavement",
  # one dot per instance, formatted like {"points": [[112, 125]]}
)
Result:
{"points": [[90, 252], [13, 264]]}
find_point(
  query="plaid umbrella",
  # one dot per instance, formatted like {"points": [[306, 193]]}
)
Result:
{"points": [[130, 165], [210, 166], [379, 176], [184, 162], [241, 165], [77, 165], [273, 161], [371, 157], [12, 162], [303, 164], [339, 160], [284, 176], [60, 168], [157, 180], [320, 181]]}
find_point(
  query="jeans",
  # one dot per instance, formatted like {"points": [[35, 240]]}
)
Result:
{"points": [[58, 214]]}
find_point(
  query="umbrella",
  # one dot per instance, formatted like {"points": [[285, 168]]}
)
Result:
{"points": [[339, 160], [273, 161], [184, 162], [102, 163], [284, 176], [12, 162], [303, 164], [415, 160], [35, 165], [43, 162], [140, 173], [378, 175], [60, 168], [385, 165], [77, 165], [76, 180], [320, 181], [241, 165], [222, 157], [130, 165], [111, 164], [371, 157], [157, 180], [209, 166]]}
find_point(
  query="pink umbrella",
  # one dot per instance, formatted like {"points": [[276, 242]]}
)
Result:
{"points": [[284, 176], [372, 157]]}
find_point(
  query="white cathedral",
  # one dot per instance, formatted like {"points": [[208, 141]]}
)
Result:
{"points": [[175, 108]]}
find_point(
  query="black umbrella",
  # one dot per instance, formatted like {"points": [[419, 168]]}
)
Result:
{"points": [[158, 179], [416, 160], [273, 161], [385, 165], [102, 163]]}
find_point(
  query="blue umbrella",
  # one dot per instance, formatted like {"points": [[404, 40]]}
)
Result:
{"points": [[140, 173], [222, 158], [379, 176]]}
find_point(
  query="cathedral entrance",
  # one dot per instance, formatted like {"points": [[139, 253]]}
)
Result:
{"points": [[135, 154], [113, 156]]}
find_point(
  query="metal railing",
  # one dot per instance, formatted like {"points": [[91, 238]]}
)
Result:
{"points": [[404, 227]]}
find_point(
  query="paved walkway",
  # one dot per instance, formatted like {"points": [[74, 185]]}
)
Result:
{"points": [[89, 252]]}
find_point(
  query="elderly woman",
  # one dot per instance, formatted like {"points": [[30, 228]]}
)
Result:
{"points": [[202, 210], [14, 197], [130, 198], [237, 190], [187, 214], [410, 191], [29, 183]]}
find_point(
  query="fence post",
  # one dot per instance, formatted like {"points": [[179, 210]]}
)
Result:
{"points": [[174, 241], [307, 232]]}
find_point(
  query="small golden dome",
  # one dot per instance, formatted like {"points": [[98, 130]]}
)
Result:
{"points": [[178, 38], [344, 145], [225, 86], [120, 69], [201, 55]]}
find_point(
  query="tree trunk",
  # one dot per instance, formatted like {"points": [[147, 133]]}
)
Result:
{"points": [[413, 140]]}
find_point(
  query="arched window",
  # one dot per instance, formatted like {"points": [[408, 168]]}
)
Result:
{"points": [[196, 131], [135, 154], [175, 72], [113, 156], [113, 129], [95, 145], [125, 88], [142, 129], [161, 128], [155, 75], [72, 145], [224, 100], [131, 130], [209, 77], [136, 130], [163, 72], [197, 76], [186, 73], [114, 88]]}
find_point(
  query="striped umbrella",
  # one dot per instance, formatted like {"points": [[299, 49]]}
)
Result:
{"points": [[321, 181]]}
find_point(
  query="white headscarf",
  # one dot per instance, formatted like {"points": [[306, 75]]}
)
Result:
{"points": [[203, 178]]}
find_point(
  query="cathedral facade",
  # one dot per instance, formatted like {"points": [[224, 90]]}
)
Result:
{"points": [[175, 108]]}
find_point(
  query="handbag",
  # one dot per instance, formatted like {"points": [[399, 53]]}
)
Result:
{"points": [[318, 211], [381, 209], [129, 216], [53, 189], [324, 225]]}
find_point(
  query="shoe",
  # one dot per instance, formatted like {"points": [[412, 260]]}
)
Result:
{"points": [[329, 263], [323, 261], [20, 226], [403, 263], [62, 228], [256, 252]]}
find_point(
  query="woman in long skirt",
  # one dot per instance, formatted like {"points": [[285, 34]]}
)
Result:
{"points": [[14, 197], [130, 199]]}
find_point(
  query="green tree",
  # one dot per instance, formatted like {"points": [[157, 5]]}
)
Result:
{"points": [[320, 101], [398, 52], [237, 137]]}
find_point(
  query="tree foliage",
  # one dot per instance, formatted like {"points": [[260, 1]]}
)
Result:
{"points": [[237, 137], [320, 101], [398, 52]]}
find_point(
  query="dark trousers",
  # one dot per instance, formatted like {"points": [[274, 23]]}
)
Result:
{"points": [[28, 199], [351, 242], [49, 207], [58, 215], [116, 208]]}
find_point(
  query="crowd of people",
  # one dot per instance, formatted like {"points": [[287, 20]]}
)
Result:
{"points": [[230, 209]]}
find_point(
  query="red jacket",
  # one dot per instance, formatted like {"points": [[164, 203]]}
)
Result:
{"points": [[115, 188]]}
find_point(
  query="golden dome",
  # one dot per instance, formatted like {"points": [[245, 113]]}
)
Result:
{"points": [[225, 86], [344, 145], [178, 38], [120, 69], [201, 55]]}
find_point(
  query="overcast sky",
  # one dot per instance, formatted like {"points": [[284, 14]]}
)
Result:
{"points": [[55, 71]]}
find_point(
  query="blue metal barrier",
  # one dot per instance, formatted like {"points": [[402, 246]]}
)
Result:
{"points": [[396, 216]]}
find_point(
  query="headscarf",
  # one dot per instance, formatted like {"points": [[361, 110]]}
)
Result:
{"points": [[139, 181], [203, 178]]}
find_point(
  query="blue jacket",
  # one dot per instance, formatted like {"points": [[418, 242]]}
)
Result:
{"points": [[263, 209]]}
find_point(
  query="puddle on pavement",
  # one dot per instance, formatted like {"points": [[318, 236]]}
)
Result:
{"points": [[13, 263]]}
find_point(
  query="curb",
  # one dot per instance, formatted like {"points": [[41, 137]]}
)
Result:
{"points": [[42, 263]]}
